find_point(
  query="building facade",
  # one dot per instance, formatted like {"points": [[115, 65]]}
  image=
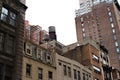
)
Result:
{"points": [[101, 24], [11, 38], [38, 63], [68, 69], [94, 57]]}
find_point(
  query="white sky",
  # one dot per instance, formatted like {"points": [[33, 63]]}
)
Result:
{"points": [[58, 13]]}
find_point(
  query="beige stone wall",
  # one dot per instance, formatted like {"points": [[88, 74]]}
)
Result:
{"points": [[34, 70], [61, 61]]}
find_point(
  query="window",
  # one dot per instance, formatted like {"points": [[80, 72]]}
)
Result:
{"points": [[64, 69], [87, 77], [116, 44], [28, 48], [44, 56], [102, 0], [8, 72], [109, 13], [28, 69], [10, 45], [4, 14], [83, 29], [1, 71], [12, 18], [84, 35], [49, 60], [96, 69], [8, 16], [34, 53], [1, 40], [83, 76], [75, 74], [96, 2], [79, 75], [115, 37], [82, 24], [49, 75], [118, 50], [82, 5], [113, 30], [95, 58], [111, 19], [108, 8], [112, 25], [40, 72], [39, 54], [69, 71], [81, 19]]}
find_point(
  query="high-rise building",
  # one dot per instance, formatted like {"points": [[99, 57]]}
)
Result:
{"points": [[101, 24], [11, 38]]}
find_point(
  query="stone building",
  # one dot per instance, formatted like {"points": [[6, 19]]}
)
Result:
{"points": [[11, 38], [38, 62], [69, 69]]}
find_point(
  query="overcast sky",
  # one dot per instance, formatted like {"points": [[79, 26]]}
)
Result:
{"points": [[58, 13]]}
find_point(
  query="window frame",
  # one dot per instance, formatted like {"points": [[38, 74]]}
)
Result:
{"points": [[9, 17], [28, 69], [40, 74]]}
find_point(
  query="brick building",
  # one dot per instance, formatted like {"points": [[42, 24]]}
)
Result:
{"points": [[102, 24], [11, 38]]}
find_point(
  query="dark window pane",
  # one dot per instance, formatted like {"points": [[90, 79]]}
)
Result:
{"points": [[78, 75], [69, 71], [64, 70], [12, 18], [1, 40], [1, 71], [8, 71], [10, 45], [40, 74], [50, 75], [75, 75], [28, 70]]}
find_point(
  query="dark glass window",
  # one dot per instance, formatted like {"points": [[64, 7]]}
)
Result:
{"points": [[8, 72], [49, 75], [64, 69], [10, 45], [1, 40], [69, 71], [75, 74], [1, 71], [79, 75], [12, 18], [83, 76], [40, 74], [8, 16], [28, 69]]}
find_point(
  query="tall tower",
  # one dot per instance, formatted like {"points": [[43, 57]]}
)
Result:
{"points": [[101, 24]]}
